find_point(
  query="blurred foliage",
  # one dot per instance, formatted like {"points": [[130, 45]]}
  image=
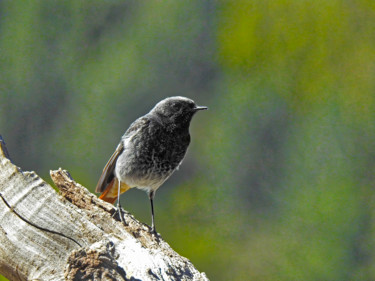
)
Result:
{"points": [[278, 183]]}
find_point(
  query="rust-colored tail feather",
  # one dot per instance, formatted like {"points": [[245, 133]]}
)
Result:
{"points": [[111, 191], [105, 196]]}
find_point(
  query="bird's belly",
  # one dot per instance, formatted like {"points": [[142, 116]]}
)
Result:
{"points": [[145, 182], [147, 165], [146, 176]]}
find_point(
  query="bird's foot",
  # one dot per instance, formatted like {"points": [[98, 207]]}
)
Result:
{"points": [[156, 236], [153, 231], [120, 214]]}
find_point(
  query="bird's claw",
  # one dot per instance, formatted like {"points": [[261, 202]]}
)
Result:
{"points": [[153, 231], [120, 214]]}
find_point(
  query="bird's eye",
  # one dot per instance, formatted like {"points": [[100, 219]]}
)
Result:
{"points": [[176, 106]]}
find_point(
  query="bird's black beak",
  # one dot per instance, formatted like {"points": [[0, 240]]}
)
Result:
{"points": [[200, 108]]}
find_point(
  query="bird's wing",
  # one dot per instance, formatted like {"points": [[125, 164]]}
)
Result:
{"points": [[137, 126], [108, 171]]}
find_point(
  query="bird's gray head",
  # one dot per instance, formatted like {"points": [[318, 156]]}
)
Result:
{"points": [[176, 110]]}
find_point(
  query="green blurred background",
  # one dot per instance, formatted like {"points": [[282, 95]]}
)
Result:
{"points": [[278, 183]]}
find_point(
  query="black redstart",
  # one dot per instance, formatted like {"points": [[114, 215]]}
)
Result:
{"points": [[149, 152]]}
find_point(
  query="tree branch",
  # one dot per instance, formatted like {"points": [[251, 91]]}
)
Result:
{"points": [[41, 232]]}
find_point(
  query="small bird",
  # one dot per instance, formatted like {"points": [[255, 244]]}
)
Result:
{"points": [[151, 149]]}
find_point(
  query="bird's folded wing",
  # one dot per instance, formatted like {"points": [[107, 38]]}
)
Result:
{"points": [[108, 171]]}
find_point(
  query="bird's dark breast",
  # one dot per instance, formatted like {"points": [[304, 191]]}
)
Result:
{"points": [[159, 151]]}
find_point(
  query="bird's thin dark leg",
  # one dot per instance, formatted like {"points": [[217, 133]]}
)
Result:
{"points": [[151, 196], [119, 210]]}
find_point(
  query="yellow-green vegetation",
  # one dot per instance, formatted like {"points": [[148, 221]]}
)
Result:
{"points": [[279, 180]]}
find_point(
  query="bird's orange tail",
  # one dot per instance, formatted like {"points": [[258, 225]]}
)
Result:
{"points": [[111, 191], [104, 196]]}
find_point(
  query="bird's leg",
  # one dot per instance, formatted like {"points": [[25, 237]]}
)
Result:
{"points": [[151, 195], [119, 210]]}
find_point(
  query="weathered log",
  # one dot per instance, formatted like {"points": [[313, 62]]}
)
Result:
{"points": [[73, 235]]}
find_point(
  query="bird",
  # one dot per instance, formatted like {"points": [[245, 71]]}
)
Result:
{"points": [[152, 148]]}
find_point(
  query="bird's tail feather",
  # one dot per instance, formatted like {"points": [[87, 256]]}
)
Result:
{"points": [[110, 193]]}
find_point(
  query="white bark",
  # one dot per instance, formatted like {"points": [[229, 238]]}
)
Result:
{"points": [[108, 250]]}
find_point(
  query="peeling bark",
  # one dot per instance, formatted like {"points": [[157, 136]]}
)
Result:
{"points": [[71, 235]]}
